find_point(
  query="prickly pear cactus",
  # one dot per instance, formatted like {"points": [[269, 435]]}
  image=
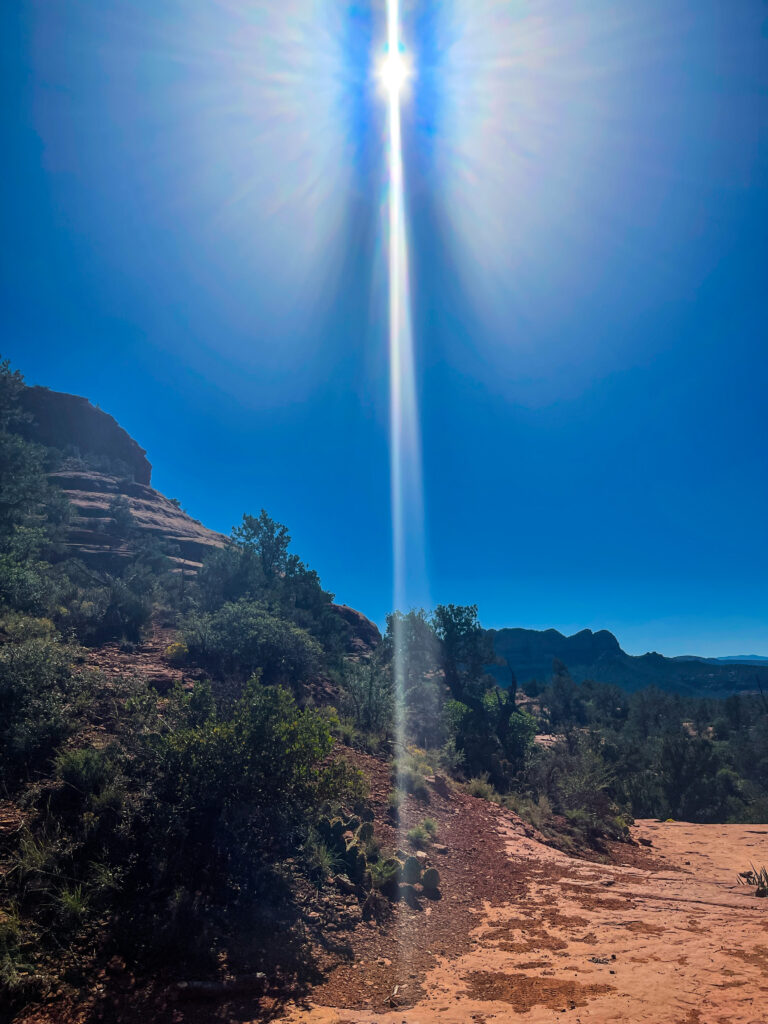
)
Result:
{"points": [[324, 830], [430, 880], [411, 871], [355, 862], [337, 832], [365, 832]]}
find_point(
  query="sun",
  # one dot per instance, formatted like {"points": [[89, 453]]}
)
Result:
{"points": [[394, 72]]}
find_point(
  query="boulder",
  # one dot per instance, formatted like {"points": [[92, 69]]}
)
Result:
{"points": [[364, 635]]}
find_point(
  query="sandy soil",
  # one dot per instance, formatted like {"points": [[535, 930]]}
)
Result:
{"points": [[675, 942]]}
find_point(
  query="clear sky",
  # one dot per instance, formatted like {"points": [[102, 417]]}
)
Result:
{"points": [[192, 226]]}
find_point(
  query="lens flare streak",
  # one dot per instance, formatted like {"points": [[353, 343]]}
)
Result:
{"points": [[405, 441]]}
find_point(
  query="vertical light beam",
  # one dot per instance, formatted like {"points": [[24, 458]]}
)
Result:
{"points": [[405, 441], [405, 436], [400, 340]]}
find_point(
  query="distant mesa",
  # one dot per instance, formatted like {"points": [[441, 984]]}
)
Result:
{"points": [[529, 653], [738, 659]]}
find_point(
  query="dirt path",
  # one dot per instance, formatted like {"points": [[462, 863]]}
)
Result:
{"points": [[679, 943]]}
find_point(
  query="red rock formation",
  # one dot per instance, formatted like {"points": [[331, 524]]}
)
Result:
{"points": [[94, 537], [102, 462], [73, 425], [364, 634]]}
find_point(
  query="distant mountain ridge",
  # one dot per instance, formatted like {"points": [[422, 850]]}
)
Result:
{"points": [[529, 653], [737, 659]]}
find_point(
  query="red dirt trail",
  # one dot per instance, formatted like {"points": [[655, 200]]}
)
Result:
{"points": [[675, 942]]}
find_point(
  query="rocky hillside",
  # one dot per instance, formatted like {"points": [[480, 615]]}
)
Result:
{"points": [[96, 534], [598, 656], [106, 476], [104, 471]]}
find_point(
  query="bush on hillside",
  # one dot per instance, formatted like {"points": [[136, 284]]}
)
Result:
{"points": [[41, 698], [367, 696], [169, 841], [244, 637]]}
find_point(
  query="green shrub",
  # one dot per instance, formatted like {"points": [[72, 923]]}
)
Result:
{"points": [[109, 608], [417, 837], [451, 759], [482, 788], [386, 874], [85, 770], [24, 586], [367, 696], [537, 812], [12, 960], [244, 637], [412, 782], [322, 859], [40, 702], [72, 905], [177, 653], [395, 799]]}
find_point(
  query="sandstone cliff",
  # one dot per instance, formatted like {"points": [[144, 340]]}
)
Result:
{"points": [[95, 535], [103, 466], [364, 634], [76, 427]]}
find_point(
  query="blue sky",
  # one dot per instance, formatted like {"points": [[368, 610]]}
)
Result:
{"points": [[192, 223]]}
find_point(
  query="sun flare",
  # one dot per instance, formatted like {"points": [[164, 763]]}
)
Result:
{"points": [[394, 72]]}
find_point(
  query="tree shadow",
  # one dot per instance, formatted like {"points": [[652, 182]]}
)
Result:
{"points": [[270, 958]]}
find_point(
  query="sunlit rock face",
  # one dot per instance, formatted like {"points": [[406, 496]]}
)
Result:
{"points": [[364, 634], [95, 535], [76, 427]]}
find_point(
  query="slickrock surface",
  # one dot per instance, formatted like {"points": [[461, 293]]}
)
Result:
{"points": [[676, 942]]}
